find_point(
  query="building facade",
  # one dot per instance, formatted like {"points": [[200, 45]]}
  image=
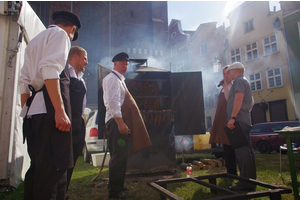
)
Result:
{"points": [[291, 22], [255, 38], [176, 55], [207, 55], [200, 50], [108, 27]]}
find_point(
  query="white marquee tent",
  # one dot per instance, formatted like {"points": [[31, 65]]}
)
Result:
{"points": [[19, 24]]}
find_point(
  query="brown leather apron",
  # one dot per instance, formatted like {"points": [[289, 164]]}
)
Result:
{"points": [[218, 134], [133, 119]]}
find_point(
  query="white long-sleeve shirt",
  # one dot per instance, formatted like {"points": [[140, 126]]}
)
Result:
{"points": [[79, 77], [45, 58], [113, 95]]}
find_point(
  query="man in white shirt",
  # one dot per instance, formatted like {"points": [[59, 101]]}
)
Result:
{"points": [[47, 120], [114, 92], [123, 118]]}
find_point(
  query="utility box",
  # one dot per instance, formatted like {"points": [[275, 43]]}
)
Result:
{"points": [[97, 159], [201, 141]]}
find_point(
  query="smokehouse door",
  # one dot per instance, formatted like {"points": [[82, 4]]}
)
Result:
{"points": [[188, 103]]}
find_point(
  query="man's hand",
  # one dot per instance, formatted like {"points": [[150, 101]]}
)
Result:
{"points": [[231, 124], [24, 98], [62, 121], [123, 128]]}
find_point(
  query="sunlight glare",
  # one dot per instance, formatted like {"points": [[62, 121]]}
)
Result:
{"points": [[228, 8]]}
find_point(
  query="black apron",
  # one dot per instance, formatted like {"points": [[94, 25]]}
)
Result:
{"points": [[77, 92], [61, 141]]}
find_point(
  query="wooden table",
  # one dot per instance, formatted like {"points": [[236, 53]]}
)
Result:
{"points": [[288, 134]]}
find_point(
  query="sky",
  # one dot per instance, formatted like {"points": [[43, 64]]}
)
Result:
{"points": [[193, 13]]}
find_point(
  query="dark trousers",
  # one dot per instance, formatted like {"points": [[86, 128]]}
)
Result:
{"points": [[245, 157], [118, 148], [230, 159], [77, 151], [42, 177], [246, 161], [64, 182]]}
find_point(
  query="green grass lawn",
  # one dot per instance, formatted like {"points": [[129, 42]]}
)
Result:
{"points": [[81, 187]]}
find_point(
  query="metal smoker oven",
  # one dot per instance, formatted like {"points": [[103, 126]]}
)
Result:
{"points": [[171, 104]]}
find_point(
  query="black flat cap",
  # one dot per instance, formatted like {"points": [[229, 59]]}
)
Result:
{"points": [[121, 56], [70, 17]]}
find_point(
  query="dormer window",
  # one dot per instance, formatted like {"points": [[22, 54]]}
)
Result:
{"points": [[248, 26]]}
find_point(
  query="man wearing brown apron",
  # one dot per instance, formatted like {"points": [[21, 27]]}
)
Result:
{"points": [[123, 120], [47, 126], [218, 134]]}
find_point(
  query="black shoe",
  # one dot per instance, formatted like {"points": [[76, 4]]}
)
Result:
{"points": [[125, 188], [241, 188], [121, 195]]}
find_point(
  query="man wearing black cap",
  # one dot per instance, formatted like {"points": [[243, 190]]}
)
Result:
{"points": [[123, 119], [45, 91]]}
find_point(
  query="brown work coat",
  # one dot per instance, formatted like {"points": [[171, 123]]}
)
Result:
{"points": [[218, 134], [133, 119]]}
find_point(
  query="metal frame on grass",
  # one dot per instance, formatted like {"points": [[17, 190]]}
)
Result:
{"points": [[274, 192]]}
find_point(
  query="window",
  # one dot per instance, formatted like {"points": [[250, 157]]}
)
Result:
{"points": [[270, 45], [42, 9], [180, 66], [259, 128], [145, 51], [207, 100], [131, 14], [140, 51], [274, 78], [128, 50], [203, 49], [173, 35], [208, 122], [278, 127], [216, 97], [292, 124], [299, 29], [251, 51], [156, 52], [255, 82], [248, 26], [235, 55], [173, 51], [151, 51], [134, 50]]}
